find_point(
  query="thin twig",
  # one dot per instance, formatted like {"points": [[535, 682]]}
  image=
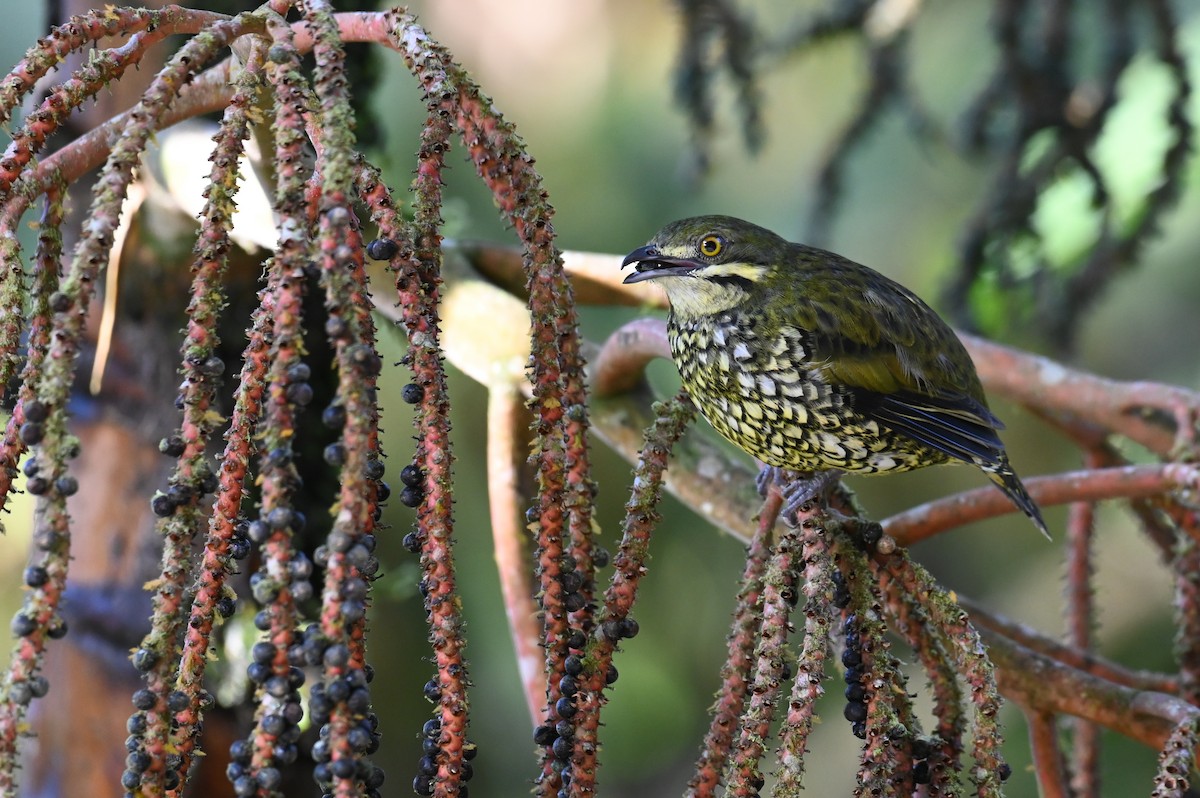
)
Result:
{"points": [[505, 417], [1128, 482], [735, 673], [1047, 758]]}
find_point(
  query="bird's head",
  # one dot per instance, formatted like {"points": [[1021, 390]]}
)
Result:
{"points": [[708, 264]]}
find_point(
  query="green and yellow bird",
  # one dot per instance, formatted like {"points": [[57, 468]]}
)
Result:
{"points": [[813, 363]]}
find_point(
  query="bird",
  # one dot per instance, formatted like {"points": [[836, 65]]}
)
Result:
{"points": [[813, 363]]}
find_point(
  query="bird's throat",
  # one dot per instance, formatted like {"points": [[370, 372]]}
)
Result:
{"points": [[696, 297]]}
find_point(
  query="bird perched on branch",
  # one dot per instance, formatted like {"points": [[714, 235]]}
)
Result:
{"points": [[813, 363]]}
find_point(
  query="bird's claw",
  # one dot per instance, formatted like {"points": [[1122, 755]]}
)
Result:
{"points": [[797, 489], [768, 476]]}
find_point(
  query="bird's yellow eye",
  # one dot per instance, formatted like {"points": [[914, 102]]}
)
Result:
{"points": [[711, 246]]}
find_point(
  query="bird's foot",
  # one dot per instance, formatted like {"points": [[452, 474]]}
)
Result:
{"points": [[802, 490], [771, 475], [798, 489]]}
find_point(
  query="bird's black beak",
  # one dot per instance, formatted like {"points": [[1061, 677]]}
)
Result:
{"points": [[650, 263]]}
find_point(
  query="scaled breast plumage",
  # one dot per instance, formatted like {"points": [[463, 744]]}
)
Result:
{"points": [[762, 394]]}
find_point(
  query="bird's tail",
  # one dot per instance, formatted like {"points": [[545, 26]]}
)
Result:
{"points": [[1010, 483]]}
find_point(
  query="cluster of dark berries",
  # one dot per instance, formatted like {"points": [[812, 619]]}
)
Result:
{"points": [[280, 725], [559, 736], [431, 749], [921, 749], [31, 433], [35, 482], [360, 553], [23, 692], [180, 493], [298, 390], [334, 417], [349, 690], [615, 631], [414, 485], [309, 650], [200, 369], [364, 359], [856, 693], [164, 504], [841, 592], [869, 535], [413, 492], [262, 672], [25, 623], [427, 767], [33, 430], [574, 580], [411, 475], [239, 545], [137, 762], [205, 366], [137, 759], [264, 587], [573, 583]]}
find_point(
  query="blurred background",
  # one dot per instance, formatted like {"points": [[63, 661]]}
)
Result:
{"points": [[588, 85]]}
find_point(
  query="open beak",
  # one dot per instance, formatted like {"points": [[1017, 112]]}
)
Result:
{"points": [[650, 263]]}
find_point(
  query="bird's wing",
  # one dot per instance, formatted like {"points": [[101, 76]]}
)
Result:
{"points": [[881, 347], [899, 362], [954, 424], [914, 403]]}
